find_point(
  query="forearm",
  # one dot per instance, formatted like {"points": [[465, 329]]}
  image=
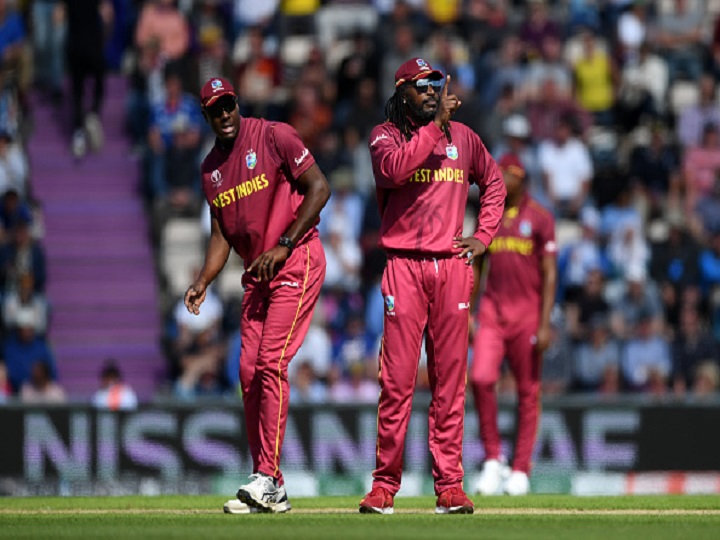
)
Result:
{"points": [[316, 196], [394, 166], [216, 256], [492, 205], [549, 283]]}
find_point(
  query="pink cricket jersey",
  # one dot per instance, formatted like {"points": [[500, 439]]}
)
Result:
{"points": [[251, 187], [422, 187], [514, 280]]}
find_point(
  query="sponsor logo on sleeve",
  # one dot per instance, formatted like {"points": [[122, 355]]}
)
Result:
{"points": [[378, 139], [464, 305], [299, 160], [390, 305]]}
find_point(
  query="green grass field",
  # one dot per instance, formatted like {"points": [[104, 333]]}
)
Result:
{"points": [[201, 517]]}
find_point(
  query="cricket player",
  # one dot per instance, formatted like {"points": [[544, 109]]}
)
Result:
{"points": [[423, 165], [265, 194], [514, 323]]}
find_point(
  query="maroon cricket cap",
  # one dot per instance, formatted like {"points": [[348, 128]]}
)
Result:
{"points": [[215, 88], [414, 69], [512, 164]]}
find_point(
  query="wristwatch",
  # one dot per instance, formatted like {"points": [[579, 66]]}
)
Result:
{"points": [[286, 242]]}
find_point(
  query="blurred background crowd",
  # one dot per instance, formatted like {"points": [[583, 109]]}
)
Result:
{"points": [[611, 105]]}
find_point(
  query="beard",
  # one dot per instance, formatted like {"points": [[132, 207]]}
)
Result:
{"points": [[418, 114]]}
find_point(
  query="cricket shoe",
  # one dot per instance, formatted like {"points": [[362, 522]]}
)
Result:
{"points": [[493, 475], [263, 493], [454, 501], [378, 501], [94, 130], [234, 506], [517, 484]]}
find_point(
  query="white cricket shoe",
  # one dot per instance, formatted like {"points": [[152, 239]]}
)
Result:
{"points": [[517, 484], [492, 476], [234, 506], [264, 494], [79, 144]]}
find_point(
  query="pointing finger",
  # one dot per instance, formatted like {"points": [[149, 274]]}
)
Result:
{"points": [[445, 88]]}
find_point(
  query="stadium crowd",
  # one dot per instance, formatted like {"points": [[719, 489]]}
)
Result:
{"points": [[612, 107]]}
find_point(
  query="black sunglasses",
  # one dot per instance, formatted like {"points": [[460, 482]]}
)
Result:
{"points": [[222, 105], [422, 85]]}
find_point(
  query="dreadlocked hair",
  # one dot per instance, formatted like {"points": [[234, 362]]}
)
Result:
{"points": [[396, 115]]}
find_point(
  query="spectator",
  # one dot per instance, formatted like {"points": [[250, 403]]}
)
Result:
{"points": [[655, 170], [360, 64], [536, 27], [700, 166], [551, 65], [174, 146], [693, 346], [258, 77], [25, 299], [13, 166], [23, 347], [162, 23], [88, 22], [343, 256], [23, 255], [550, 108], [198, 348], [306, 388], [580, 257], [12, 211], [49, 32], [706, 218], [707, 376], [113, 393], [645, 358], [567, 170], [643, 89], [632, 30], [693, 121], [5, 388], [345, 204], [594, 75], [249, 13], [588, 305], [359, 387], [710, 279], [12, 38], [557, 359], [316, 349], [597, 360], [309, 115], [40, 388], [679, 36], [675, 268], [211, 56], [502, 69], [640, 297]]}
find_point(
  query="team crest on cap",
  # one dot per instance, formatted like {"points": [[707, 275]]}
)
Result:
{"points": [[525, 228], [451, 151], [216, 178], [216, 85], [251, 159]]}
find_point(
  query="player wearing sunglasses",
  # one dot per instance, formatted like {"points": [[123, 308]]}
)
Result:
{"points": [[265, 193], [423, 165]]}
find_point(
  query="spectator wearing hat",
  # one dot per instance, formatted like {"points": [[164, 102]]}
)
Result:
{"points": [[114, 394]]}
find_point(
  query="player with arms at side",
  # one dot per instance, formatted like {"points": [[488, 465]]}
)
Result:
{"points": [[514, 322], [423, 166], [265, 194]]}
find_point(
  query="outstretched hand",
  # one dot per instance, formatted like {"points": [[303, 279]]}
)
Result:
{"points": [[471, 248], [447, 105]]}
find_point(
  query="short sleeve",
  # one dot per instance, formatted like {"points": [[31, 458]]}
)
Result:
{"points": [[290, 149], [546, 235]]}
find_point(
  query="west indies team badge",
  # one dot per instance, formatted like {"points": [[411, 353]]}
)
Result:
{"points": [[390, 303], [525, 228], [251, 159], [451, 151]]}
